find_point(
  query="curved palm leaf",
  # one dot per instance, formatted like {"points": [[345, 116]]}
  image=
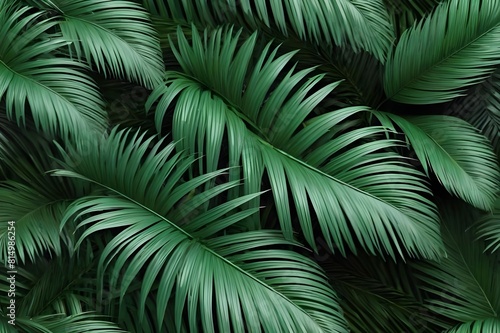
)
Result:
{"points": [[481, 108], [483, 326], [404, 13], [257, 286], [447, 51], [465, 284], [360, 73], [489, 228], [60, 97], [347, 189], [48, 301], [36, 218], [363, 24], [30, 197], [461, 158], [378, 296], [116, 36], [80, 323]]}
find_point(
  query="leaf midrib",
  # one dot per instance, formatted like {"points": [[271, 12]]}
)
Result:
{"points": [[466, 265], [408, 83], [43, 86], [187, 235], [111, 32], [239, 114]]}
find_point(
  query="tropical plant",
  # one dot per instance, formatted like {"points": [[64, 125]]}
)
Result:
{"points": [[249, 166]]}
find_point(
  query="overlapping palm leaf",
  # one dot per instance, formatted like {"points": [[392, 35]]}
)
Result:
{"points": [[481, 108], [379, 296], [447, 51], [263, 116], [116, 37], [36, 82], [488, 228], [50, 302], [362, 24], [252, 283], [461, 158], [464, 285], [30, 197]]}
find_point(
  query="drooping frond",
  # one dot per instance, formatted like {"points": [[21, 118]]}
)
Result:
{"points": [[454, 47], [404, 13], [80, 323], [53, 296], [489, 228], [464, 285], [245, 283], [36, 218], [117, 37], [362, 24], [29, 196], [311, 160], [481, 108], [60, 97], [451, 148], [489, 325], [377, 295]]}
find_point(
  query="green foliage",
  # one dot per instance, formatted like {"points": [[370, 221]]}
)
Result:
{"points": [[250, 166], [447, 51]]}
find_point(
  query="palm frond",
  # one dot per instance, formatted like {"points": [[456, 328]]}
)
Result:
{"points": [[362, 24], [30, 197], [445, 52], [53, 296], [489, 228], [266, 132], [61, 98], [481, 108], [484, 326], [461, 158], [404, 13], [80, 323], [36, 220], [378, 296], [116, 37], [464, 285], [255, 281], [360, 73]]}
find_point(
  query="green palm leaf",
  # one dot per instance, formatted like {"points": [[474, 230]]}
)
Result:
{"points": [[53, 296], [258, 286], [404, 13], [117, 37], [362, 24], [465, 284], [461, 158], [60, 97], [454, 47], [489, 228], [36, 218], [80, 323], [377, 295], [481, 108], [482, 326], [30, 197], [265, 132]]}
